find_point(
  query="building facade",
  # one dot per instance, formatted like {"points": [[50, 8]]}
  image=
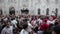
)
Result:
{"points": [[35, 7]]}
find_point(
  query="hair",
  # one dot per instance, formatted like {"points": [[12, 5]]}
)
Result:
{"points": [[25, 26], [8, 21], [56, 22], [12, 18]]}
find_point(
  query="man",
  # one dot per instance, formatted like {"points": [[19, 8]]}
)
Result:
{"points": [[39, 21], [25, 29], [8, 29], [14, 22], [51, 20], [44, 27], [56, 29]]}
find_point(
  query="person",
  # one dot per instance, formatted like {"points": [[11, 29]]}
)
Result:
{"points": [[44, 27], [1, 24], [14, 22], [25, 29], [8, 29], [56, 29], [51, 20], [33, 22], [16, 31], [39, 20]]}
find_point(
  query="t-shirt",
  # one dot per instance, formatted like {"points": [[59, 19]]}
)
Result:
{"points": [[57, 29], [50, 22], [44, 27], [23, 32], [14, 22], [40, 21], [7, 30], [34, 23]]}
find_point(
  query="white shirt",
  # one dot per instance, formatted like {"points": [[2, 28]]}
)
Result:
{"points": [[34, 23], [39, 20], [29, 27], [29, 24], [5, 19], [7, 30], [14, 22], [23, 32], [50, 22]]}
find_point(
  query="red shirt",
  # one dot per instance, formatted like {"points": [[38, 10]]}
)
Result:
{"points": [[54, 17], [44, 27]]}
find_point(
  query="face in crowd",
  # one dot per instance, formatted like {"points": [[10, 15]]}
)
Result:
{"points": [[8, 24], [50, 18]]}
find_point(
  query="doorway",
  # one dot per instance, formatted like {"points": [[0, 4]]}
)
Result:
{"points": [[12, 10]]}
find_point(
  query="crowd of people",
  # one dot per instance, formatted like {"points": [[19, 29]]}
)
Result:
{"points": [[29, 24]]}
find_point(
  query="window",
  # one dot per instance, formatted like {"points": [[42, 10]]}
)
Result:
{"points": [[47, 11], [24, 11], [39, 11], [12, 10], [56, 12], [1, 12]]}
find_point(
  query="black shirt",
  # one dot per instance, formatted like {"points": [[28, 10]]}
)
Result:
{"points": [[57, 29]]}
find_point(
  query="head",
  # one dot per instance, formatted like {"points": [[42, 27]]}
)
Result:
{"points": [[13, 18], [45, 21], [25, 26], [50, 18], [8, 23]]}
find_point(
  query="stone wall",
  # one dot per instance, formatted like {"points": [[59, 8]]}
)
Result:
{"points": [[32, 5]]}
